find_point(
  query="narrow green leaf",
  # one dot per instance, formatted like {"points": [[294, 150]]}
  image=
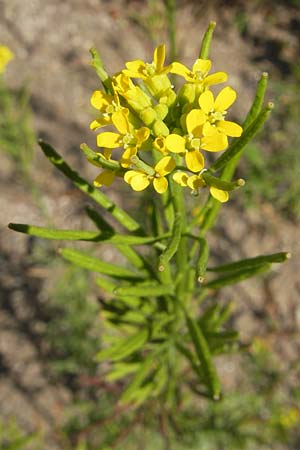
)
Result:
{"points": [[251, 262], [202, 260], [237, 276], [238, 145], [124, 347], [202, 350], [119, 214], [121, 370], [99, 220], [96, 265], [144, 371], [172, 246], [145, 290], [206, 42], [258, 100], [106, 285], [81, 235]]}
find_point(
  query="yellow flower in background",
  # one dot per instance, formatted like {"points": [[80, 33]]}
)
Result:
{"points": [[190, 144], [194, 182], [6, 55], [140, 69], [216, 111], [140, 180], [199, 73]]}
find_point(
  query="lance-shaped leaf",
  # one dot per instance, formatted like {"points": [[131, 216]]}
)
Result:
{"points": [[144, 371], [211, 378], [145, 290], [202, 260], [237, 276], [124, 347], [237, 147], [121, 370], [250, 263], [82, 235], [93, 264], [118, 213], [172, 246], [206, 41]]}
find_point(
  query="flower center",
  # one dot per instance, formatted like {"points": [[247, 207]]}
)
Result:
{"points": [[149, 70], [128, 140], [217, 115]]}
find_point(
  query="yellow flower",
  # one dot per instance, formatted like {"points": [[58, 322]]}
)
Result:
{"points": [[199, 73], [6, 55], [140, 69], [106, 177], [128, 137], [109, 106], [140, 180], [190, 144], [194, 182], [216, 112]]}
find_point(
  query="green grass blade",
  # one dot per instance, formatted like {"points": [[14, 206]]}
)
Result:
{"points": [[211, 378], [119, 214], [237, 277], [124, 348], [250, 263], [96, 265], [206, 42]]}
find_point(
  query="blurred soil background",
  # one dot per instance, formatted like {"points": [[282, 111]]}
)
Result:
{"points": [[49, 311]]}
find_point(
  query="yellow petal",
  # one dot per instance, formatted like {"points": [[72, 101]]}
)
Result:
{"points": [[127, 154], [159, 57], [135, 68], [206, 101], [120, 121], [139, 182], [165, 166], [142, 134], [129, 175], [194, 182], [159, 144], [194, 121], [202, 65], [214, 143], [230, 128], [225, 99], [160, 184], [180, 69], [215, 78], [109, 139], [105, 178], [106, 153], [218, 194], [175, 143], [180, 178], [194, 161], [100, 122], [100, 100], [208, 129]]}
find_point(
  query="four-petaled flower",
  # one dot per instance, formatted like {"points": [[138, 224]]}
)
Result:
{"points": [[140, 179], [109, 107], [199, 73], [140, 69]]}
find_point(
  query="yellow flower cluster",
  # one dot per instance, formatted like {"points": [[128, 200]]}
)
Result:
{"points": [[5, 56], [159, 130]]}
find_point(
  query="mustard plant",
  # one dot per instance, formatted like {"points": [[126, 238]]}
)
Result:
{"points": [[161, 338]]}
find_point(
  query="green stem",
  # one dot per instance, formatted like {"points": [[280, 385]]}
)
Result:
{"points": [[171, 17]]}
